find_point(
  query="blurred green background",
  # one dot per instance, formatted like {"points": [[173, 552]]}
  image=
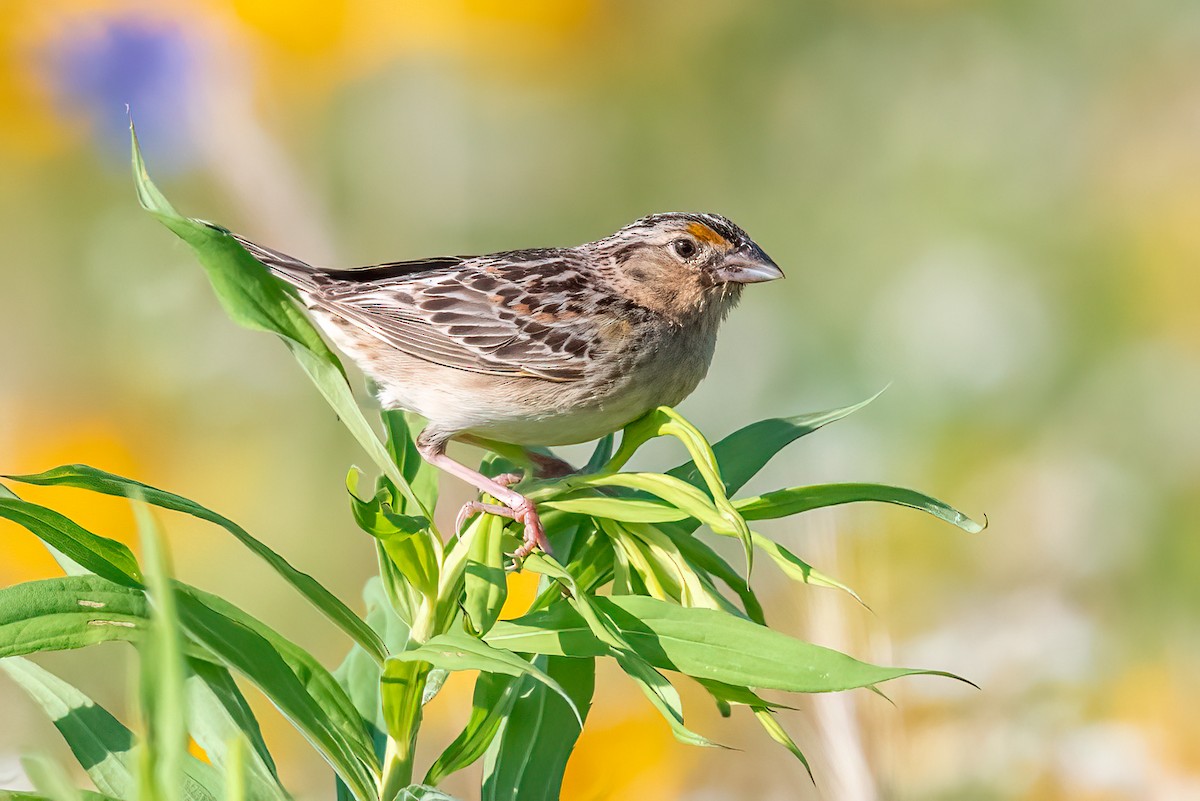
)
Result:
{"points": [[992, 206]]}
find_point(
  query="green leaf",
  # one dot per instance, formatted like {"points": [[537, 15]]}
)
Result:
{"points": [[625, 510], [359, 674], [20, 795], [103, 746], [660, 692], [459, 651], [730, 694], [658, 559], [702, 643], [255, 300], [527, 758], [485, 581], [293, 679], [711, 563], [68, 612], [91, 478], [218, 716], [407, 539], [402, 429], [162, 673], [689, 500], [746, 451], [401, 688], [493, 696], [776, 732], [50, 779], [47, 615], [419, 792], [102, 556], [796, 568], [787, 502], [665, 421]]}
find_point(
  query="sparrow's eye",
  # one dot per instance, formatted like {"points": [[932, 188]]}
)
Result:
{"points": [[684, 248]]}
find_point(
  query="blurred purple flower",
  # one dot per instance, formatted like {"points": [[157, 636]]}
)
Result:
{"points": [[149, 66]]}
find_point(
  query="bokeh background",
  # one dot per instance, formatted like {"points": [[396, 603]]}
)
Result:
{"points": [[992, 206]]}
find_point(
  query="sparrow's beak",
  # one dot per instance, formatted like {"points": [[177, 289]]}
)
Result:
{"points": [[748, 265]]}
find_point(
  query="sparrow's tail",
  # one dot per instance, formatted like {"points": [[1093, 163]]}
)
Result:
{"points": [[297, 273]]}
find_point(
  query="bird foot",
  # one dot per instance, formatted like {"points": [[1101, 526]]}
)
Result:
{"points": [[522, 511], [469, 509], [508, 479], [535, 534]]}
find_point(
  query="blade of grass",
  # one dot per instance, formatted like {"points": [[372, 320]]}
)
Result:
{"points": [[162, 671]]}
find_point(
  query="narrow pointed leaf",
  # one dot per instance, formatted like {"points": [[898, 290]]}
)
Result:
{"points": [[526, 760], [402, 429], [776, 732], [625, 510], [256, 300], [103, 745], [295, 682], [459, 651], [709, 561], [485, 581], [746, 451], [491, 701], [656, 687], [702, 643], [218, 715], [91, 478], [102, 556], [796, 568], [787, 502], [162, 671]]}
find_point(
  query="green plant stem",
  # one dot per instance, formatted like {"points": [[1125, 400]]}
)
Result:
{"points": [[403, 721], [402, 695]]}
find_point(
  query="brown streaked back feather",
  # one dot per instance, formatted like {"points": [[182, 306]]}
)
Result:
{"points": [[522, 313]]}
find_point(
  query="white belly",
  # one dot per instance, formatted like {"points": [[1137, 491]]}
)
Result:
{"points": [[534, 411]]}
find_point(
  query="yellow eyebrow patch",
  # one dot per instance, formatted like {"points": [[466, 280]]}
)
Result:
{"points": [[706, 234]]}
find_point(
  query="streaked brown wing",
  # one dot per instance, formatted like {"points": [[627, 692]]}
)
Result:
{"points": [[529, 313]]}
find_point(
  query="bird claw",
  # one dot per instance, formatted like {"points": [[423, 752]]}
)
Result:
{"points": [[471, 507], [508, 479], [523, 512]]}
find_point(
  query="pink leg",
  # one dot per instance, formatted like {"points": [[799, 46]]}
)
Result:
{"points": [[519, 507], [544, 466]]}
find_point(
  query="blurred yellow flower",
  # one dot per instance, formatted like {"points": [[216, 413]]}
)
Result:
{"points": [[43, 443], [626, 750]]}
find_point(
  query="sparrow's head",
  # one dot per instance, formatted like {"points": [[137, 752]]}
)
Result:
{"points": [[679, 263]]}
